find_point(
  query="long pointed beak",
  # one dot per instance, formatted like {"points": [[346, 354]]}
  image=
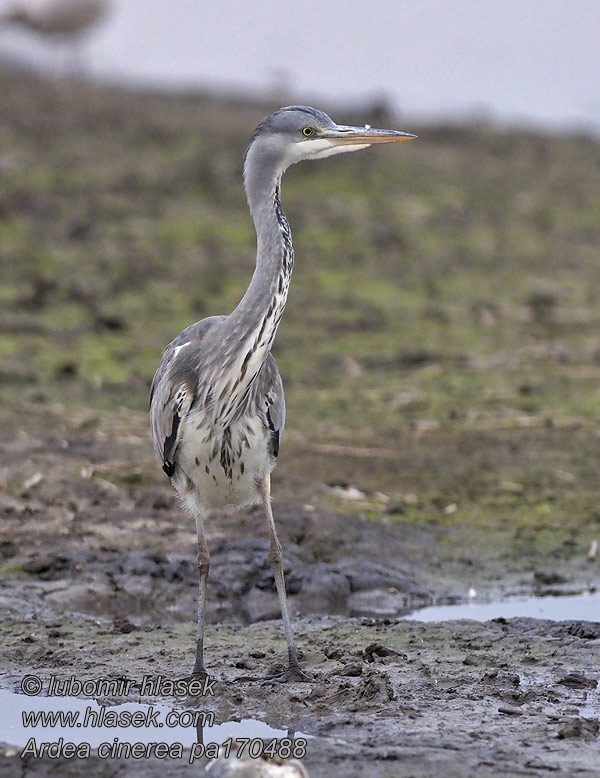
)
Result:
{"points": [[363, 136]]}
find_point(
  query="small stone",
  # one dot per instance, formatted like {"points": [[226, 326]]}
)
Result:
{"points": [[375, 651], [351, 671], [123, 625], [38, 564], [34, 480], [579, 728], [577, 680]]}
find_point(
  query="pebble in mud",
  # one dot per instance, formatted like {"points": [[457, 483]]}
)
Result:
{"points": [[375, 687], [579, 728], [577, 680]]}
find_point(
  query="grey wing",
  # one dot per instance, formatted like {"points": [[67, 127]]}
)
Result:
{"points": [[270, 392], [174, 389]]}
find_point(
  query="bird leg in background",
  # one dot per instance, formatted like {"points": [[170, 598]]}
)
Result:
{"points": [[203, 568], [294, 671]]}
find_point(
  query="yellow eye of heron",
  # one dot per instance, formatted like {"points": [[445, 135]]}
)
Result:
{"points": [[307, 131]]}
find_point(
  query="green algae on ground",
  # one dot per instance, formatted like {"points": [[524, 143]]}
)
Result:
{"points": [[444, 305]]}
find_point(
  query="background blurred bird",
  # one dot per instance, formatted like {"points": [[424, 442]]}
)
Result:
{"points": [[61, 22], [57, 18]]}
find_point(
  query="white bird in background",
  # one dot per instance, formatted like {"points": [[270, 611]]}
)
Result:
{"points": [[58, 19]]}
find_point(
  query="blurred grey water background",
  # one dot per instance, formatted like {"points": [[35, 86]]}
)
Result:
{"points": [[527, 62]]}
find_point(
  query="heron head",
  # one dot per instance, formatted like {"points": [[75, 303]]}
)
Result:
{"points": [[299, 132]]}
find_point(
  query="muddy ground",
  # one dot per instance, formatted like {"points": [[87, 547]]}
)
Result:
{"points": [[441, 357], [99, 580]]}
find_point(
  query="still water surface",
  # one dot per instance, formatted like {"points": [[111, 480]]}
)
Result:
{"points": [[580, 607]]}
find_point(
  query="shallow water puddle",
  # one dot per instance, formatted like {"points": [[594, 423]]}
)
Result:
{"points": [[578, 607], [79, 721]]}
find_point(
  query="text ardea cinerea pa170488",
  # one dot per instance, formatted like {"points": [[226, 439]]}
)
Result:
{"points": [[216, 406]]}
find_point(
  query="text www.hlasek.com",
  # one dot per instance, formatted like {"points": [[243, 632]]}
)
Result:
{"points": [[254, 748], [110, 718]]}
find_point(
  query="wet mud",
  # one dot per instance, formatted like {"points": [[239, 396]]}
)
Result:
{"points": [[99, 581]]}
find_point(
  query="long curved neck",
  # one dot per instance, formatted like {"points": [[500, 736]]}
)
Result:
{"points": [[274, 254], [246, 336]]}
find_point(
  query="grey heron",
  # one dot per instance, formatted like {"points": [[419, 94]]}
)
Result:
{"points": [[216, 404]]}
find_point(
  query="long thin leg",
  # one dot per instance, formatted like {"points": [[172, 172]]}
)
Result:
{"points": [[203, 568], [274, 557]]}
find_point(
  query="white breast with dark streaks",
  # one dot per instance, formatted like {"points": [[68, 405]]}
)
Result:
{"points": [[225, 464]]}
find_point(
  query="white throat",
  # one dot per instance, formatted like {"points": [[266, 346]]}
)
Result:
{"points": [[319, 149]]}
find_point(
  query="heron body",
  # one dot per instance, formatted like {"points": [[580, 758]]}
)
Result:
{"points": [[217, 407], [223, 439]]}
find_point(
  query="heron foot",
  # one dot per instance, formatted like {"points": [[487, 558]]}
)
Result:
{"points": [[293, 673], [198, 684], [197, 674]]}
